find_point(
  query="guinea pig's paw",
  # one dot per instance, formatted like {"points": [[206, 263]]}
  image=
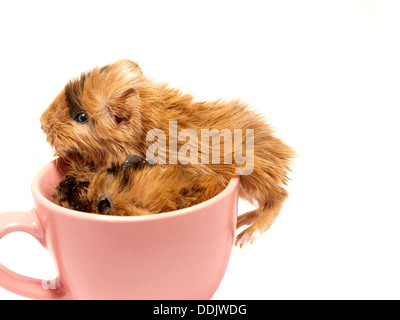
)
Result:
{"points": [[247, 218], [134, 161], [249, 235]]}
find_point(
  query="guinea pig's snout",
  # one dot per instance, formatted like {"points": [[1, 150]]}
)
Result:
{"points": [[48, 132], [51, 134], [104, 204], [44, 124]]}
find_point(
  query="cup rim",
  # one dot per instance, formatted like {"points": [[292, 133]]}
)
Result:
{"points": [[39, 197]]}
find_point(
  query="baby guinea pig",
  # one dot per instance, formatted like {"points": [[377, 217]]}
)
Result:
{"points": [[107, 114], [135, 188]]}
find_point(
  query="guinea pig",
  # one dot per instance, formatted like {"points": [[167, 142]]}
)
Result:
{"points": [[135, 187], [113, 111]]}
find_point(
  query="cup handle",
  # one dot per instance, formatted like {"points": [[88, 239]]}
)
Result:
{"points": [[19, 284]]}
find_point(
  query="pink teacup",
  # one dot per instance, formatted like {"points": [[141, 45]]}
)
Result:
{"points": [[176, 255]]}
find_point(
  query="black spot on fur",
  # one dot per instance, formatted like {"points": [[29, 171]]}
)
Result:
{"points": [[126, 171], [74, 193], [126, 177], [115, 169]]}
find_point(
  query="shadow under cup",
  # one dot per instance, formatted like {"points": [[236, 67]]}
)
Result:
{"points": [[176, 255]]}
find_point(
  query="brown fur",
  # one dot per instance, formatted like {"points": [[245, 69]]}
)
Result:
{"points": [[135, 191], [123, 105]]}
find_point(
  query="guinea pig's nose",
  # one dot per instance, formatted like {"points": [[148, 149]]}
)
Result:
{"points": [[43, 128]]}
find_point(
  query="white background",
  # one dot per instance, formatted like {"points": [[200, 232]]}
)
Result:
{"points": [[326, 73]]}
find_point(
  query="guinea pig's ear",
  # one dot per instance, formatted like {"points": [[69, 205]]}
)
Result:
{"points": [[124, 105], [104, 204], [135, 161], [118, 91]]}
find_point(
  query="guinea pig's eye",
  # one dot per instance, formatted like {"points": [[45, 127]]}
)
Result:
{"points": [[81, 117]]}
